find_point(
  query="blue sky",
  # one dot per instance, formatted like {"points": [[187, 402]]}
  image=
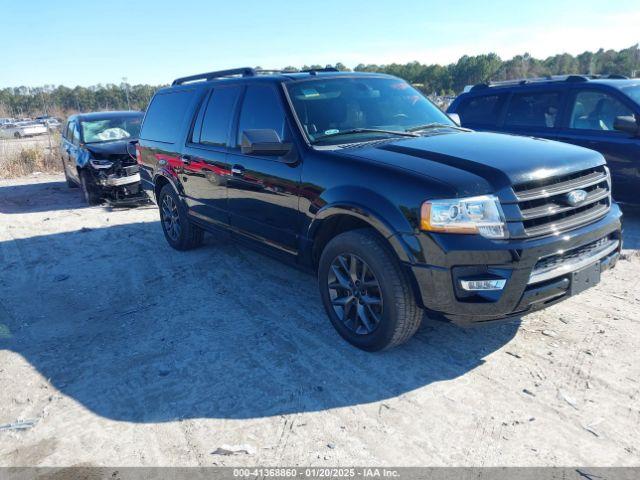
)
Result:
{"points": [[153, 41]]}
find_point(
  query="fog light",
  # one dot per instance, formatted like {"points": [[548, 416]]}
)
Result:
{"points": [[478, 285]]}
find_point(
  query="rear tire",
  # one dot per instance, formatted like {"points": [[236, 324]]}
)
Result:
{"points": [[88, 189], [375, 285], [179, 231], [17, 135]]}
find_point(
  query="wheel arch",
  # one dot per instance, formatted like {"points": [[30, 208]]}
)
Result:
{"points": [[159, 181], [340, 217]]}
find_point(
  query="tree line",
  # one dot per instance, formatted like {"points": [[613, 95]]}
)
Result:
{"points": [[431, 79]]}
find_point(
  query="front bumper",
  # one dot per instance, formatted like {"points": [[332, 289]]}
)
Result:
{"points": [[531, 283]]}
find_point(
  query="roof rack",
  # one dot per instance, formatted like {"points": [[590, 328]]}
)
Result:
{"points": [[313, 71], [244, 72], [548, 78]]}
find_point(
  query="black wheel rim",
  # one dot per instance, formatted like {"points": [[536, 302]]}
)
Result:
{"points": [[170, 217], [355, 294]]}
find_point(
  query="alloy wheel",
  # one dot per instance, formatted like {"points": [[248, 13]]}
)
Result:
{"points": [[355, 294], [171, 218]]}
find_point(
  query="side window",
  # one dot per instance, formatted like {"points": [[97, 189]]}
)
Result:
{"points": [[482, 110], [74, 133], [165, 116], [594, 110], [261, 109], [217, 117], [533, 110]]}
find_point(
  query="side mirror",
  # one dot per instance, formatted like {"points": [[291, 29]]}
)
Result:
{"points": [[131, 146], [263, 142], [627, 124], [455, 117]]}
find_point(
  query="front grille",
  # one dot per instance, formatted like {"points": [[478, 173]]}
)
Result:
{"points": [[544, 208], [558, 260], [574, 259]]}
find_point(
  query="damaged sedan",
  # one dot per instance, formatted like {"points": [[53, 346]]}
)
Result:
{"points": [[96, 157]]}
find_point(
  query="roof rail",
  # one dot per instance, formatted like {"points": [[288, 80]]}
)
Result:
{"points": [[245, 72], [549, 78], [313, 71]]}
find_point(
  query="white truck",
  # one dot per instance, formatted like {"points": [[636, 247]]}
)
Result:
{"points": [[22, 129]]}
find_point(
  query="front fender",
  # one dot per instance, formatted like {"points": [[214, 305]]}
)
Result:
{"points": [[370, 207]]}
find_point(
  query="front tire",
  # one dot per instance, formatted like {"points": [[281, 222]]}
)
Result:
{"points": [[179, 231], [366, 292], [88, 189]]}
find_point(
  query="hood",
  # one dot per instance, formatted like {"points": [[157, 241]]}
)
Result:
{"points": [[480, 162], [114, 150]]}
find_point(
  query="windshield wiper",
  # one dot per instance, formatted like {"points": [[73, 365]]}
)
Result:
{"points": [[428, 126], [367, 130]]}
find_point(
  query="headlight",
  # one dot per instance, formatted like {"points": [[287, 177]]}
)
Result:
{"points": [[481, 215], [100, 164]]}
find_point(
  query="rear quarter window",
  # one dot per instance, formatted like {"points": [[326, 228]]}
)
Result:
{"points": [[166, 115], [483, 110]]}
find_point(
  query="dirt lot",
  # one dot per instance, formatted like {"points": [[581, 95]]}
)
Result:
{"points": [[117, 350]]}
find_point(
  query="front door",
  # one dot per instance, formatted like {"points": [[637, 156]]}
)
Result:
{"points": [[71, 150], [263, 190], [590, 124]]}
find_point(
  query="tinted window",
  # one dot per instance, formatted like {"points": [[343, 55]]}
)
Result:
{"points": [[633, 92], [218, 115], [481, 110], [596, 111], [533, 110], [165, 116], [261, 109]]}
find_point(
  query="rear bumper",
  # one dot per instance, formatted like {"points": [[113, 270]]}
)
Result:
{"points": [[530, 284]]}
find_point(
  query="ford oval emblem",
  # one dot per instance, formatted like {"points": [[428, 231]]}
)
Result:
{"points": [[576, 197]]}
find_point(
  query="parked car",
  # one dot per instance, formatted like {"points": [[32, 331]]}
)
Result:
{"points": [[95, 156], [52, 123], [358, 177], [22, 129], [602, 113]]}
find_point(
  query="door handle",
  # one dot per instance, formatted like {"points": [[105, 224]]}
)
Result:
{"points": [[237, 170], [186, 159]]}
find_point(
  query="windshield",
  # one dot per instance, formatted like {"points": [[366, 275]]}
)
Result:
{"points": [[633, 92], [109, 129], [336, 110]]}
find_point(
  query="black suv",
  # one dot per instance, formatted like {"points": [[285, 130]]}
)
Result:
{"points": [[598, 112], [360, 178]]}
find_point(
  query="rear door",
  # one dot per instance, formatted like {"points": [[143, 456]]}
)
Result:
{"points": [[206, 168], [534, 113], [589, 123]]}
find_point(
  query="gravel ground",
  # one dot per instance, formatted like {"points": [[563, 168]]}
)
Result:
{"points": [[117, 350]]}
